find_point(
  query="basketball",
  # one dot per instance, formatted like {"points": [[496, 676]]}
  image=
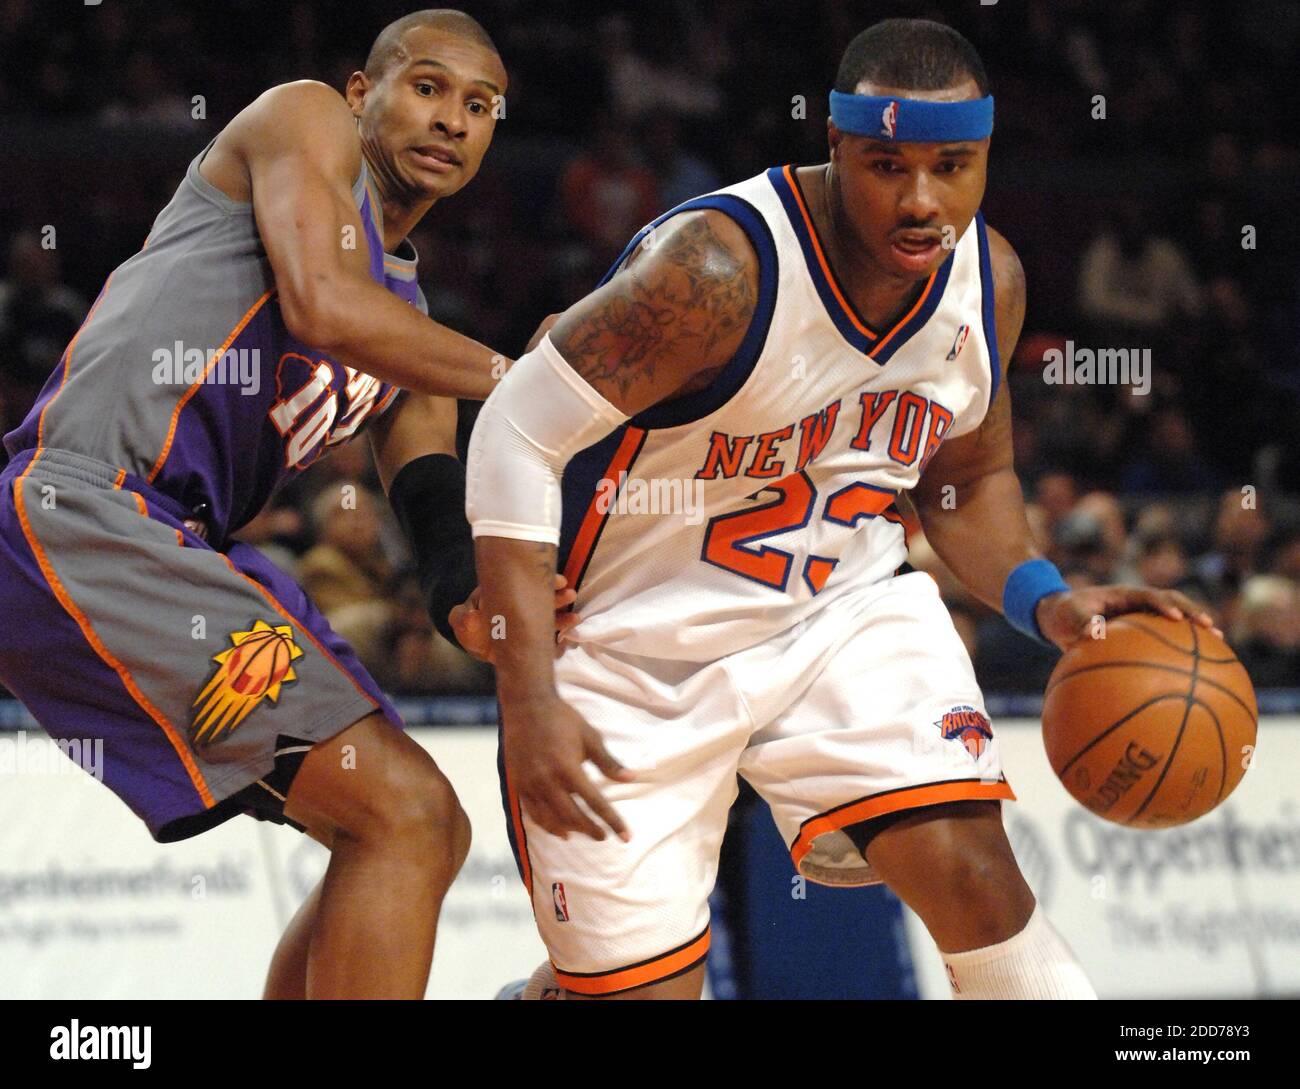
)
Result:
{"points": [[1151, 725]]}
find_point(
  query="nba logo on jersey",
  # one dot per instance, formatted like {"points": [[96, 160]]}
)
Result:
{"points": [[561, 904], [959, 342], [888, 118]]}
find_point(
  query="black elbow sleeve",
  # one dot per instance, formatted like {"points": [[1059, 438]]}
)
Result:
{"points": [[428, 497]]}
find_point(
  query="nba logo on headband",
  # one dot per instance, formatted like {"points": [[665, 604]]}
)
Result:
{"points": [[888, 118], [912, 120]]}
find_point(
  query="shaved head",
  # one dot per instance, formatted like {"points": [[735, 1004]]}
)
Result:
{"points": [[388, 46], [426, 105]]}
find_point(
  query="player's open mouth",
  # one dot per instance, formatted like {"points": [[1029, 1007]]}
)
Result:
{"points": [[915, 250], [437, 159]]}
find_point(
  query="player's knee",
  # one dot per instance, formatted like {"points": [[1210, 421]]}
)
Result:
{"points": [[422, 806], [416, 806], [977, 891], [462, 835], [966, 876], [952, 855]]}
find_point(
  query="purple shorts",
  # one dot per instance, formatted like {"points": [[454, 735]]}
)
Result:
{"points": [[207, 674]]}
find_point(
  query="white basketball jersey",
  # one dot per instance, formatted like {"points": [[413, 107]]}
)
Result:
{"points": [[713, 521]]}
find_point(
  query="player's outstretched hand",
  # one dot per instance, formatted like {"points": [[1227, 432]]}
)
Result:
{"points": [[474, 630], [546, 744], [1065, 618]]}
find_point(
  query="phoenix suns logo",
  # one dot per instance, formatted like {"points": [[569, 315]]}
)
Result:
{"points": [[256, 667], [967, 725]]}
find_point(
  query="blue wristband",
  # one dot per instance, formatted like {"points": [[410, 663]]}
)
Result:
{"points": [[1026, 586]]}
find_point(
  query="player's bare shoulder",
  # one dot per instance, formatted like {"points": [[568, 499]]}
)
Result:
{"points": [[1008, 291], [305, 115], [671, 317]]}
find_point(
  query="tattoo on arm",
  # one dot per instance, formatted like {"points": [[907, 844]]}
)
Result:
{"points": [[545, 558], [688, 300]]}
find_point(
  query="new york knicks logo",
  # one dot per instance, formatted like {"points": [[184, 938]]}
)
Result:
{"points": [[257, 665], [959, 342], [965, 724], [888, 120]]}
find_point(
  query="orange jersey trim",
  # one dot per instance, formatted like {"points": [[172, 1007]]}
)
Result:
{"points": [[382, 406], [176, 412], [672, 963], [521, 838], [849, 312], [925, 294], [891, 802], [594, 519], [67, 367], [83, 622], [376, 210]]}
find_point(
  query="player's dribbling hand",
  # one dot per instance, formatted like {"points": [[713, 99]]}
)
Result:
{"points": [[1066, 618], [545, 746], [474, 630]]}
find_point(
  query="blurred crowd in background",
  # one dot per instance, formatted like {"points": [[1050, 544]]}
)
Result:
{"points": [[1144, 162]]}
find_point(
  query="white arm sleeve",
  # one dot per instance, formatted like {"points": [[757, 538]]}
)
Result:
{"points": [[541, 414]]}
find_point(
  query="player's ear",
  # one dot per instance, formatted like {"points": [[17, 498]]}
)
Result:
{"points": [[833, 137], [357, 89]]}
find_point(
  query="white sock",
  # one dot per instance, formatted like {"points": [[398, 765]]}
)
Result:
{"points": [[542, 985], [1036, 963]]}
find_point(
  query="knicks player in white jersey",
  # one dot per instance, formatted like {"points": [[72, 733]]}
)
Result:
{"points": [[798, 350]]}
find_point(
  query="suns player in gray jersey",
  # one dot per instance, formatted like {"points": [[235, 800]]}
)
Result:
{"points": [[271, 314]]}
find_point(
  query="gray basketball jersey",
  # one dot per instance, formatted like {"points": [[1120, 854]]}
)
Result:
{"points": [[185, 375]]}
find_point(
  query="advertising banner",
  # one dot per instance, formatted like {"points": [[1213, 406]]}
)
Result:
{"points": [[1211, 909], [91, 907]]}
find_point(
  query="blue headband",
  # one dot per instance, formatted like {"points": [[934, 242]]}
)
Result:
{"points": [[912, 119]]}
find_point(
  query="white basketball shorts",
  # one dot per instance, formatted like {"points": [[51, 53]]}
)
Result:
{"points": [[867, 708]]}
